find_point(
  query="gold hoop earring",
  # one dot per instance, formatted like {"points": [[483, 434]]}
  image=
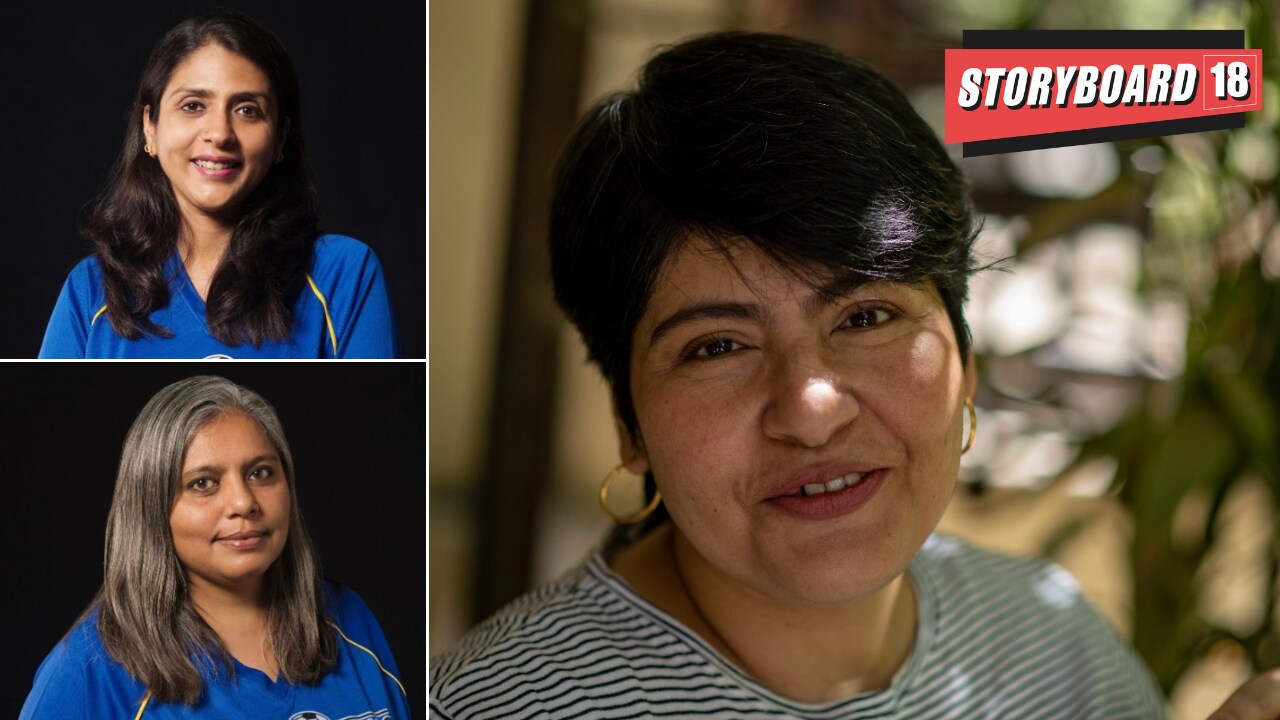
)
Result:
{"points": [[148, 150], [625, 519], [973, 424]]}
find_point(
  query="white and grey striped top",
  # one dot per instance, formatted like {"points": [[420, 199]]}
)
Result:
{"points": [[997, 637]]}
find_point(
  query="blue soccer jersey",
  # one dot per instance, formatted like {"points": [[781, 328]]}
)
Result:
{"points": [[342, 312], [80, 680]]}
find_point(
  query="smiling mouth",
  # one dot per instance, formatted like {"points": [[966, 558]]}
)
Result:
{"points": [[832, 485], [250, 540], [245, 535], [211, 165]]}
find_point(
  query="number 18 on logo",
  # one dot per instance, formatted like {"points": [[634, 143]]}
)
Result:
{"points": [[1232, 81]]}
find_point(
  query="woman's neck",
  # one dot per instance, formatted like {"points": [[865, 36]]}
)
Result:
{"points": [[238, 616], [201, 245], [810, 654], [221, 599]]}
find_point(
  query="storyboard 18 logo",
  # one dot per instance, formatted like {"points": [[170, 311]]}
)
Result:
{"points": [[1024, 90]]}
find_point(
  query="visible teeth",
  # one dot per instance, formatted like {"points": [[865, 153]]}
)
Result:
{"points": [[213, 165], [832, 485]]}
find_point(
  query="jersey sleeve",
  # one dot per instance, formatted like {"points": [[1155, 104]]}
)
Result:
{"points": [[67, 334], [359, 305], [357, 627], [59, 691], [80, 680]]}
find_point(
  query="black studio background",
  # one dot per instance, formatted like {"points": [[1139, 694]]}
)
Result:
{"points": [[68, 71], [357, 431]]}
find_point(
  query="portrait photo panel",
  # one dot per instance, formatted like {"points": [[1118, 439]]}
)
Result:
{"points": [[357, 437], [76, 66]]}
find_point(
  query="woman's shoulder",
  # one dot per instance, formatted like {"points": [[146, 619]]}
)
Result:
{"points": [[86, 274], [954, 561], [972, 576], [79, 673], [83, 286], [354, 621], [1018, 622], [333, 250], [344, 267], [350, 613], [81, 646], [534, 624], [89, 263], [346, 294], [344, 604]]}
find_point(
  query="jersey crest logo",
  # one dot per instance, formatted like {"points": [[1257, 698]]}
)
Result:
{"points": [[314, 715], [220, 356]]}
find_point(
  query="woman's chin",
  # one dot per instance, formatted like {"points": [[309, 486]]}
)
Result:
{"points": [[839, 568], [826, 583], [231, 578]]}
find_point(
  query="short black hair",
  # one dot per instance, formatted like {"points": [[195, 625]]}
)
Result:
{"points": [[811, 156]]}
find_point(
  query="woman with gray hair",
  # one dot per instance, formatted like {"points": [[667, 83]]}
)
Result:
{"points": [[212, 601]]}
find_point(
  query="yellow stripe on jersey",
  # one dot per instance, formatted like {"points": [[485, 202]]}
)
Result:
{"points": [[372, 655], [324, 305], [145, 699], [333, 338]]}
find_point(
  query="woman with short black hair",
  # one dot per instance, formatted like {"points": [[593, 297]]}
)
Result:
{"points": [[206, 239], [766, 251]]}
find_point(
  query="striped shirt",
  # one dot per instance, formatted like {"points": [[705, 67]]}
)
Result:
{"points": [[997, 637]]}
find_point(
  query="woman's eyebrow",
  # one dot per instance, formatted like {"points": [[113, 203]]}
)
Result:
{"points": [[832, 292], [707, 311], [827, 294], [205, 93], [251, 95], [265, 457], [196, 91], [217, 469], [207, 468]]}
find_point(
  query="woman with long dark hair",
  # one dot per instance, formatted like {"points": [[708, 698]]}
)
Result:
{"points": [[206, 239], [212, 603]]}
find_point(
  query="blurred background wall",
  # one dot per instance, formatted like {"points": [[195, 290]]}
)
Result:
{"points": [[1130, 399]]}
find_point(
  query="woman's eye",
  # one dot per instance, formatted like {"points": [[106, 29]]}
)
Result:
{"points": [[249, 111], [201, 484], [191, 107], [715, 348], [261, 473], [868, 318]]}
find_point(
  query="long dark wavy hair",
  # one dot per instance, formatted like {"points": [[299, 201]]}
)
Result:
{"points": [[135, 223]]}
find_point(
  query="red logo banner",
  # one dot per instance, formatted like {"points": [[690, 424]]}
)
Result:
{"points": [[997, 94]]}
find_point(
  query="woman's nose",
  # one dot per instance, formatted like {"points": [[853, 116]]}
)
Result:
{"points": [[218, 129], [240, 498], [809, 404]]}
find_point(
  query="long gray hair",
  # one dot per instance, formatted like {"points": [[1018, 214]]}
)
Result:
{"points": [[145, 619]]}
